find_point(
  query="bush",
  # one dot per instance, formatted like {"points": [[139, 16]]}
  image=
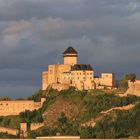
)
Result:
{"points": [[34, 116], [7, 136], [124, 82], [36, 96]]}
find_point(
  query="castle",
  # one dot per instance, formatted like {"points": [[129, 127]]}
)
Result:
{"points": [[72, 74]]}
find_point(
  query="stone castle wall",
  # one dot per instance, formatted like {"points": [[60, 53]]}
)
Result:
{"points": [[133, 88], [35, 126], [15, 107], [9, 131], [60, 87], [106, 80]]}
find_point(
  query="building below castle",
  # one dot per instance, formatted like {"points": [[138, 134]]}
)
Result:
{"points": [[72, 74]]}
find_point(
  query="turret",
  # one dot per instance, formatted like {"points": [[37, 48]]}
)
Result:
{"points": [[23, 129], [70, 56]]}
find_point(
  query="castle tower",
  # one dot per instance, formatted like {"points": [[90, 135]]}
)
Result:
{"points": [[70, 56], [23, 129]]}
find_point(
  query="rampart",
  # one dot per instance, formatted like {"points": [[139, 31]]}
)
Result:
{"points": [[35, 126], [9, 131], [133, 88], [15, 107]]}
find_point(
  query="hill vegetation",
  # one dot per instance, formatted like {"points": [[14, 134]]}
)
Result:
{"points": [[65, 111]]}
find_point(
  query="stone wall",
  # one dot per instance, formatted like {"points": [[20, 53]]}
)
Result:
{"points": [[9, 131], [35, 126], [60, 138], [15, 107], [44, 80], [60, 87], [106, 80], [133, 88], [53, 75]]}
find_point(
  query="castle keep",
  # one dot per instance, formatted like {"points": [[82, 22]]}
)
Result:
{"points": [[72, 74]]}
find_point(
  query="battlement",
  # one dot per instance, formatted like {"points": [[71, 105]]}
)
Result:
{"points": [[15, 107], [133, 88]]}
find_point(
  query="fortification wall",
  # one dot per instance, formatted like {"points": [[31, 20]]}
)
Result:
{"points": [[9, 131], [60, 87], [60, 138], [35, 126], [54, 74], [44, 80], [106, 80], [15, 107], [133, 88]]}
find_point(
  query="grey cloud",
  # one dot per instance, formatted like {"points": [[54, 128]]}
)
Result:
{"points": [[34, 33]]}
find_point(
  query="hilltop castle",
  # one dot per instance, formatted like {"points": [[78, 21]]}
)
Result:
{"points": [[72, 74]]}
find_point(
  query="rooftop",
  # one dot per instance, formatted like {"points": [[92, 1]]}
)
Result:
{"points": [[81, 67], [70, 50]]}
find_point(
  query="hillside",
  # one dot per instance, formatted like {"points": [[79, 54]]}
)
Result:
{"points": [[65, 113], [90, 114]]}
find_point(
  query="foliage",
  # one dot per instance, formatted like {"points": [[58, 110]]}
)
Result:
{"points": [[92, 103], [7, 136], [10, 121], [43, 132], [95, 104], [5, 98], [88, 132], [35, 116], [131, 77], [31, 116], [65, 126], [124, 82], [120, 124], [36, 96]]}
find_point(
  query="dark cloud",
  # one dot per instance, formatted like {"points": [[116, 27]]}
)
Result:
{"points": [[34, 33]]}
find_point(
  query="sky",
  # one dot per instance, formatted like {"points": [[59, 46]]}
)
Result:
{"points": [[35, 33]]}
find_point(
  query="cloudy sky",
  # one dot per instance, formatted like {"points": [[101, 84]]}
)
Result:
{"points": [[34, 33]]}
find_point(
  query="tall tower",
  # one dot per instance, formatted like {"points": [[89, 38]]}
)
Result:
{"points": [[70, 56]]}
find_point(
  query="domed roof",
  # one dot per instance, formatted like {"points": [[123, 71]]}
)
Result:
{"points": [[70, 50]]}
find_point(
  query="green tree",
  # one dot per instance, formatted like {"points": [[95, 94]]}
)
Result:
{"points": [[124, 82]]}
